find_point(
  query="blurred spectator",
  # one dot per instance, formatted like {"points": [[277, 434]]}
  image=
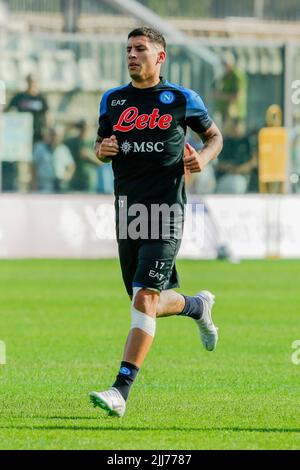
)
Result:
{"points": [[236, 162], [17, 175], [105, 179], [8, 176], [230, 91], [204, 182], [31, 101], [54, 164], [253, 186], [85, 176]]}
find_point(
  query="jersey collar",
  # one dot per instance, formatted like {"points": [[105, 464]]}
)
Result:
{"points": [[139, 90]]}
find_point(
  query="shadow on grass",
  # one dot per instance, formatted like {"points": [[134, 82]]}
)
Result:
{"points": [[149, 429]]}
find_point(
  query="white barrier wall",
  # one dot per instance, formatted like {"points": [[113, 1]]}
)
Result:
{"points": [[256, 226], [82, 226]]}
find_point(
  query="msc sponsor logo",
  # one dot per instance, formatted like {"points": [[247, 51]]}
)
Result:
{"points": [[167, 97], [141, 147], [130, 119]]}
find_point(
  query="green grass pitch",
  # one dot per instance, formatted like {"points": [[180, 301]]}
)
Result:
{"points": [[65, 322]]}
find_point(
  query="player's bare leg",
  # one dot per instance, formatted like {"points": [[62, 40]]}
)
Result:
{"points": [[197, 307], [170, 303], [139, 341]]}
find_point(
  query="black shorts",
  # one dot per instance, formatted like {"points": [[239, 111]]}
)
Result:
{"points": [[149, 263]]}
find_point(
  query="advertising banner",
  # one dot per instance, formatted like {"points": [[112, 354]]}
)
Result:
{"points": [[83, 226]]}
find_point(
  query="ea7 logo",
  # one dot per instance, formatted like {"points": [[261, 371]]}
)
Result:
{"points": [[118, 102], [156, 275]]}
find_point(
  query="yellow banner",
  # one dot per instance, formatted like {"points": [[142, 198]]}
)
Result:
{"points": [[273, 154]]}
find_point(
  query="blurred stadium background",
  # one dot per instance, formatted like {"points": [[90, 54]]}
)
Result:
{"points": [[57, 340], [241, 57]]}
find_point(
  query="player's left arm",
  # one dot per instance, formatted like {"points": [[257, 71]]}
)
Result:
{"points": [[213, 143]]}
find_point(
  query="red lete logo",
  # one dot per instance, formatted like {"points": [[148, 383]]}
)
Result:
{"points": [[130, 119]]}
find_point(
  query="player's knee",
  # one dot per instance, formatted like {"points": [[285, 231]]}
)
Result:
{"points": [[146, 301], [141, 309]]}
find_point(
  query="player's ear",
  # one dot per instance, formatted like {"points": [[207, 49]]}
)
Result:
{"points": [[161, 57]]}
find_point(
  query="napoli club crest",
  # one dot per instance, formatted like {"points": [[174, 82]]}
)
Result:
{"points": [[167, 97]]}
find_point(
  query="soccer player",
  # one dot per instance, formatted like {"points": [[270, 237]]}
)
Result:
{"points": [[141, 130]]}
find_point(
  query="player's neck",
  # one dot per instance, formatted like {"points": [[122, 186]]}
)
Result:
{"points": [[32, 92], [147, 83]]}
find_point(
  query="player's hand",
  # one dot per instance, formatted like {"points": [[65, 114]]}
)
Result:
{"points": [[192, 159], [108, 148]]}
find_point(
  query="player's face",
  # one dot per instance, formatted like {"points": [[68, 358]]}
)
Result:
{"points": [[144, 58]]}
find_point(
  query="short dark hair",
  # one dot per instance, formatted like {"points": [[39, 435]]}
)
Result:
{"points": [[152, 34]]}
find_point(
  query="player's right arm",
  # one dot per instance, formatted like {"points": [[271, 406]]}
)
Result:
{"points": [[199, 121], [106, 148]]}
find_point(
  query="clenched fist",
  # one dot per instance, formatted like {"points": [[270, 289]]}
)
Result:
{"points": [[192, 159], [107, 148]]}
